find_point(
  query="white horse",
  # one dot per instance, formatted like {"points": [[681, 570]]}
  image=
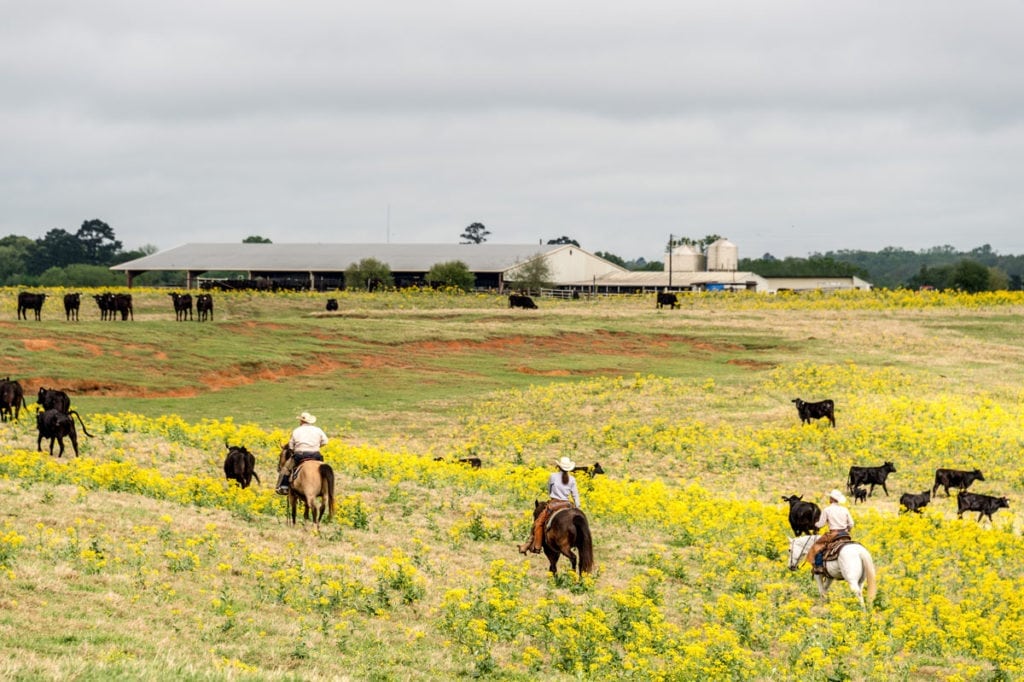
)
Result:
{"points": [[854, 565]]}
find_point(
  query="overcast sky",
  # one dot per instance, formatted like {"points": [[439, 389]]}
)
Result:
{"points": [[788, 127]]}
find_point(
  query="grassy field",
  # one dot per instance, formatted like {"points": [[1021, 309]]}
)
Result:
{"points": [[137, 561]]}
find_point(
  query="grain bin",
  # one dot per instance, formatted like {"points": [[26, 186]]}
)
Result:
{"points": [[685, 258], [723, 255]]}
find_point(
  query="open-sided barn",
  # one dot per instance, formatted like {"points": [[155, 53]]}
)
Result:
{"points": [[322, 266]]}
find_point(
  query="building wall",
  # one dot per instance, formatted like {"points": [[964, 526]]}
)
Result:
{"points": [[573, 264]]}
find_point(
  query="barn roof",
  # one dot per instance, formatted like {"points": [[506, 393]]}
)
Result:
{"points": [[334, 257]]}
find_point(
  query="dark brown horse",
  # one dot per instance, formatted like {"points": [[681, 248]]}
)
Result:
{"points": [[567, 529], [314, 479]]}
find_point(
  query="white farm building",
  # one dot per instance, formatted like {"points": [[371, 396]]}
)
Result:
{"points": [[322, 266]]}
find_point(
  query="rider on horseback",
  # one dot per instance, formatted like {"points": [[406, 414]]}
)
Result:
{"points": [[839, 523], [561, 487], [305, 443]]}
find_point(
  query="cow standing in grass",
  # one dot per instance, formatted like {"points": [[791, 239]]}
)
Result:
{"points": [[824, 409]]}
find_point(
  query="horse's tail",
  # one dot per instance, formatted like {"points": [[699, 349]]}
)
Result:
{"points": [[84, 430], [327, 473], [870, 586], [584, 544]]}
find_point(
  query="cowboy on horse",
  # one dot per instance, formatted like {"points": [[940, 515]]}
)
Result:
{"points": [[839, 523], [563, 493], [305, 443]]}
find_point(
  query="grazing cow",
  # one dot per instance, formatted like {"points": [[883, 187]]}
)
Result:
{"points": [[473, 462], [913, 502], [860, 494], [240, 465], [57, 425], [52, 399], [520, 301], [668, 299], [802, 515], [72, 302], [954, 478], [332, 304], [204, 306], [809, 411], [12, 399], [182, 306], [123, 305], [985, 505], [592, 470], [870, 476], [27, 301]]}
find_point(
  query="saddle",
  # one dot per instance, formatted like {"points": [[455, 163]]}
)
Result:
{"points": [[554, 513], [833, 547]]}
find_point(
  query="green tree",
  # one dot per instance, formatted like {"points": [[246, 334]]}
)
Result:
{"points": [[56, 249], [474, 234], [453, 273], [533, 275], [14, 254], [611, 257], [99, 246], [564, 240], [368, 274], [970, 276], [997, 279], [256, 239]]}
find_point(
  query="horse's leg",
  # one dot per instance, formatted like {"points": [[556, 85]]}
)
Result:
{"points": [[552, 556]]}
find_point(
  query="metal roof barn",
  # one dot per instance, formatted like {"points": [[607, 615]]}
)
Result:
{"points": [[408, 262]]}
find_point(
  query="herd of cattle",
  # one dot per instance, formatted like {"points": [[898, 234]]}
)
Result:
{"points": [[111, 305], [804, 515], [54, 420]]}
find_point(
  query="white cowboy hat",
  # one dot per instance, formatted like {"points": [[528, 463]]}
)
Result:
{"points": [[837, 496], [307, 418], [566, 464]]}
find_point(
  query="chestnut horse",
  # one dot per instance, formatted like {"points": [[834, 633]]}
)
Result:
{"points": [[314, 479], [566, 529]]}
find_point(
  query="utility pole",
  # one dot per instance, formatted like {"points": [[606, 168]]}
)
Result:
{"points": [[670, 238]]}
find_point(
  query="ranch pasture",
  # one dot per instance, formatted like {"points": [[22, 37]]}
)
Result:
{"points": [[138, 560]]}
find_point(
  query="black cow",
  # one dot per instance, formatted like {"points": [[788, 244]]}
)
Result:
{"points": [[72, 302], [913, 502], [520, 301], [667, 299], [332, 304], [985, 505], [818, 410], [105, 302], [182, 306], [12, 399], [802, 515], [240, 465], [204, 306], [123, 305], [473, 462], [954, 478], [592, 470], [27, 301], [52, 399], [57, 425], [870, 476], [860, 493]]}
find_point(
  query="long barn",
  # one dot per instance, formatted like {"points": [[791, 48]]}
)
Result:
{"points": [[322, 266]]}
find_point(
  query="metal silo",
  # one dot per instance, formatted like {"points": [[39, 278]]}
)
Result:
{"points": [[685, 258], [723, 255]]}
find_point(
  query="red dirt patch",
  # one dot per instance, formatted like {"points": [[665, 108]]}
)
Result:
{"points": [[38, 344]]}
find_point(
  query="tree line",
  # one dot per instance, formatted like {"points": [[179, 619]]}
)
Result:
{"points": [[62, 258]]}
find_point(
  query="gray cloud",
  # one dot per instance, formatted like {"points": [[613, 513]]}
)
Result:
{"points": [[790, 127]]}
